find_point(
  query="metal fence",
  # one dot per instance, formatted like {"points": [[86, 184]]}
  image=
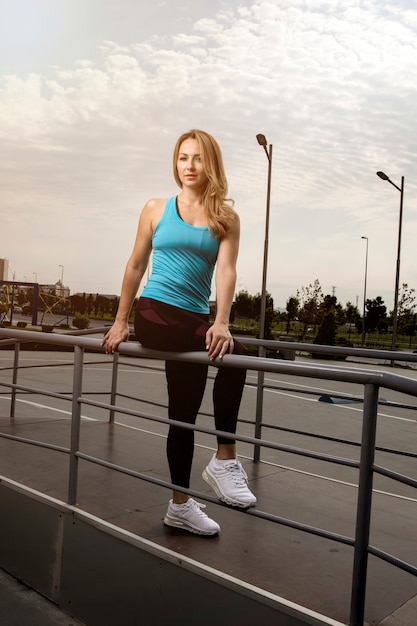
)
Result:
{"points": [[372, 382]]}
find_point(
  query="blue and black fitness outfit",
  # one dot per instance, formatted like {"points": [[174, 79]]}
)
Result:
{"points": [[172, 314]]}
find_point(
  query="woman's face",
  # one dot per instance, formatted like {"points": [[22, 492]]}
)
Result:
{"points": [[190, 165]]}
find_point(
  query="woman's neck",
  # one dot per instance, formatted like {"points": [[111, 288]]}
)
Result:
{"points": [[191, 197], [191, 209]]}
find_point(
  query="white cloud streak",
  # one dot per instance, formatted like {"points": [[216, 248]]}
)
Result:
{"points": [[331, 84]]}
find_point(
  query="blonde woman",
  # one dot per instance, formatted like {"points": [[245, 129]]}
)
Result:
{"points": [[192, 235]]}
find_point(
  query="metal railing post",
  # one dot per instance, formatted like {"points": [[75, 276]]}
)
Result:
{"points": [[75, 424], [258, 417], [113, 393], [364, 506], [14, 379]]}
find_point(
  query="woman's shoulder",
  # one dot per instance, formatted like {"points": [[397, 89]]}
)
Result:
{"points": [[153, 210], [155, 204]]}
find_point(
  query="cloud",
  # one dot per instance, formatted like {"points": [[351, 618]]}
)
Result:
{"points": [[331, 84]]}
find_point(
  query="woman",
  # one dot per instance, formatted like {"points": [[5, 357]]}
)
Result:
{"points": [[190, 235]]}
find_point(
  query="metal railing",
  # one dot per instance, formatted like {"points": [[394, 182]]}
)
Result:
{"points": [[371, 380]]}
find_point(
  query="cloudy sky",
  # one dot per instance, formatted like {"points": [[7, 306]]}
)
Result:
{"points": [[93, 96]]}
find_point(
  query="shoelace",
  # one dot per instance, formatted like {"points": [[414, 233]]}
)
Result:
{"points": [[236, 474], [197, 507]]}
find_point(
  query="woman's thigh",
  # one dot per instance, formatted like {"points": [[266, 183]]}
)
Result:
{"points": [[160, 326]]}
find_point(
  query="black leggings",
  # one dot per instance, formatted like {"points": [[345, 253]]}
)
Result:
{"points": [[161, 326]]}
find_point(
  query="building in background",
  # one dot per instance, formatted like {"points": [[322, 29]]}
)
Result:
{"points": [[4, 269], [60, 290]]}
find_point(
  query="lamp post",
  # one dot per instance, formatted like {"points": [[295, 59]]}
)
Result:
{"points": [[364, 293], [262, 352], [61, 291], [263, 142], [397, 273]]}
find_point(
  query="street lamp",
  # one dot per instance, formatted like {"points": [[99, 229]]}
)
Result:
{"points": [[262, 352], [263, 142], [364, 292], [397, 273]]}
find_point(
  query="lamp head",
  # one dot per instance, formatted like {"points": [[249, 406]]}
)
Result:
{"points": [[382, 175], [262, 140]]}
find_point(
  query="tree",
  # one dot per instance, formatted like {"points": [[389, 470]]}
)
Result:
{"points": [[244, 305], [292, 311], [21, 297], [269, 304], [406, 300], [114, 306], [326, 334], [376, 316], [351, 317], [269, 313], [81, 321], [326, 306], [89, 303], [4, 307], [406, 310], [98, 304], [310, 298], [351, 314]]}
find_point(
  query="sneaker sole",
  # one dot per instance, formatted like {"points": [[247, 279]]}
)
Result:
{"points": [[169, 521], [213, 484]]}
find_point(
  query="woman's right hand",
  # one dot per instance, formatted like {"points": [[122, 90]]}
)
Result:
{"points": [[118, 332]]}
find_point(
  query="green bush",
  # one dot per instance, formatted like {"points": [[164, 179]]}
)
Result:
{"points": [[81, 321]]}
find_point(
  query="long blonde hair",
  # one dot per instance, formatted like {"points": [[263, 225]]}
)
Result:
{"points": [[218, 208]]}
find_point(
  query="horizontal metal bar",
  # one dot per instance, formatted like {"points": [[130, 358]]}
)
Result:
{"points": [[406, 567], [221, 433], [271, 344], [315, 348], [406, 480], [34, 442], [329, 372], [319, 532], [36, 391]]}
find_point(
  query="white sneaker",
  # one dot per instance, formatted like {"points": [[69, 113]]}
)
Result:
{"points": [[230, 482], [189, 516]]}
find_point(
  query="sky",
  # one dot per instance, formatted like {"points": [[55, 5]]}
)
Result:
{"points": [[93, 96]]}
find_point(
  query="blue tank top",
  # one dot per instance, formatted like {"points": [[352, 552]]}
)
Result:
{"points": [[183, 261]]}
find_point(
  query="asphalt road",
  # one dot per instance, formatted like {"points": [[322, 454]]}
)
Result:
{"points": [[313, 492]]}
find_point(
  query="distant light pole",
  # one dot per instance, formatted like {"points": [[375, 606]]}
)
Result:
{"points": [[397, 273], [262, 351], [61, 291], [364, 293]]}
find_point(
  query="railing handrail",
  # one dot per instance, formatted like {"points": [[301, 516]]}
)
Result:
{"points": [[372, 381], [387, 380], [316, 348], [269, 344]]}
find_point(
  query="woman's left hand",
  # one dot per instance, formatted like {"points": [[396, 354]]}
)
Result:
{"points": [[219, 341]]}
